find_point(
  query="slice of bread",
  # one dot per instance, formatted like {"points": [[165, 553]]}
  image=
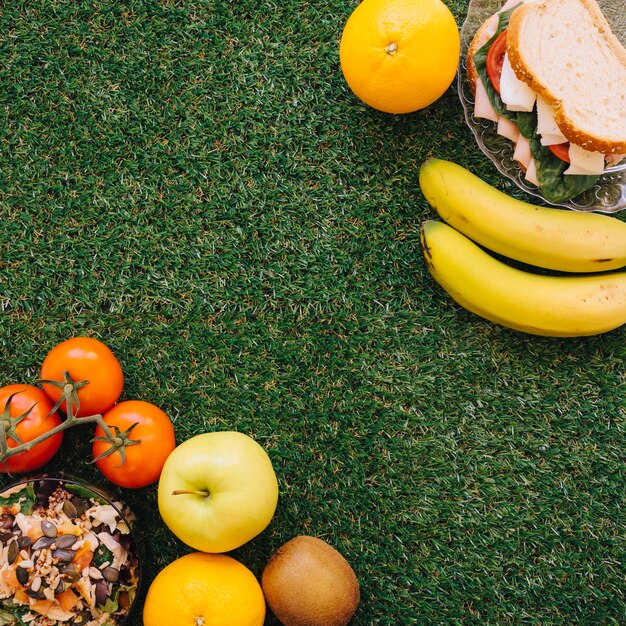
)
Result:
{"points": [[566, 52], [482, 36]]}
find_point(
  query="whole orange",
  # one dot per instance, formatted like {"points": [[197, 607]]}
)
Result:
{"points": [[201, 589], [399, 56]]}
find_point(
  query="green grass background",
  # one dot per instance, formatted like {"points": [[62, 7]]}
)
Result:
{"points": [[193, 183]]}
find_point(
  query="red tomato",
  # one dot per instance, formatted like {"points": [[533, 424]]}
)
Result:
{"points": [[144, 460], [495, 60], [561, 150], [36, 423], [87, 359]]}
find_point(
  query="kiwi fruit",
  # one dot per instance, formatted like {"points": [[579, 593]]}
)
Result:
{"points": [[307, 582]]}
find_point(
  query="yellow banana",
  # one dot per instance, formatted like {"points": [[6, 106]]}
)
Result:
{"points": [[557, 239], [555, 306]]}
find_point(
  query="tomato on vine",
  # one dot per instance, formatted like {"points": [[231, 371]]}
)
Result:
{"points": [[25, 414], [144, 438], [92, 366]]}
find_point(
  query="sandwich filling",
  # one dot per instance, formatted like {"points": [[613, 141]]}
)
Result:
{"points": [[559, 167]]}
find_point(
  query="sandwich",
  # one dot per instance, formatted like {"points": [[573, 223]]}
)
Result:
{"points": [[552, 75]]}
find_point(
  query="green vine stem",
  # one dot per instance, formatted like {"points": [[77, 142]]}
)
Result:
{"points": [[119, 441]]}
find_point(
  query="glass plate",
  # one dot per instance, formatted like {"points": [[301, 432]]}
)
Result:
{"points": [[609, 193]]}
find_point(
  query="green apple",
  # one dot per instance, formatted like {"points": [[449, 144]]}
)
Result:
{"points": [[217, 491]]}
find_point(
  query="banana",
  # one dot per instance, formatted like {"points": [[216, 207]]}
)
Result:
{"points": [[554, 306], [556, 239]]}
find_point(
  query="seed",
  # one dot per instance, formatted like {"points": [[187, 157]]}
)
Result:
{"points": [[59, 586], [111, 574], [38, 595], [7, 522], [70, 572], [48, 594], [66, 541], [63, 555], [6, 535], [101, 592], [24, 541], [95, 573], [13, 551], [49, 529], [21, 573], [36, 584], [81, 506], [43, 542], [69, 509]]}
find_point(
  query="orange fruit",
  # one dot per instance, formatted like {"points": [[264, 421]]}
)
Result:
{"points": [[399, 56], [201, 589]]}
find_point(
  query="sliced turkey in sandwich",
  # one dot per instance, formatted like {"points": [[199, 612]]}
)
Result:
{"points": [[552, 76]]}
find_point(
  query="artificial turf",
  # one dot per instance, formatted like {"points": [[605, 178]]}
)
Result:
{"points": [[193, 183]]}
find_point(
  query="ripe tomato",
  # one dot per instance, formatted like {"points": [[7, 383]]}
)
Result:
{"points": [[561, 150], [36, 423], [144, 461], [88, 359], [495, 60]]}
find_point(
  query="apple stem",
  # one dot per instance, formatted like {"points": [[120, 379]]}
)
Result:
{"points": [[192, 492]]}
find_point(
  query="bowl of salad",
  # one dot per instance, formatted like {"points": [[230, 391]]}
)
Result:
{"points": [[68, 555]]}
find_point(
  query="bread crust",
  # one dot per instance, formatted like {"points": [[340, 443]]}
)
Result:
{"points": [[482, 36], [523, 73]]}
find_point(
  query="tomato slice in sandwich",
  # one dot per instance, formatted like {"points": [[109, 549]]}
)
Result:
{"points": [[561, 150], [495, 60]]}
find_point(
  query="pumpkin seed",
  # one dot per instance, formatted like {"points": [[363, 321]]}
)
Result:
{"points": [[38, 595], [13, 551], [21, 573], [66, 541], [49, 529], [111, 574], [70, 571], [63, 555], [42, 542], [69, 509], [24, 541], [81, 506]]}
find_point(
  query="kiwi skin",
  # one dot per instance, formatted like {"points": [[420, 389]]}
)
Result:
{"points": [[307, 582]]}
